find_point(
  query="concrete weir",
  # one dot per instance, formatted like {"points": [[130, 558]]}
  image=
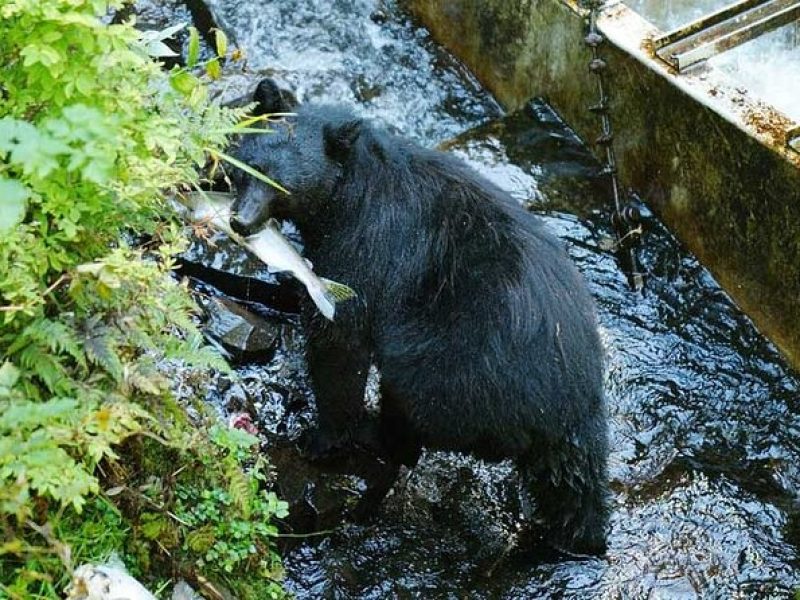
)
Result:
{"points": [[719, 165]]}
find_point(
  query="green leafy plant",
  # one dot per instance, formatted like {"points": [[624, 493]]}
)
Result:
{"points": [[229, 521], [210, 515], [94, 136]]}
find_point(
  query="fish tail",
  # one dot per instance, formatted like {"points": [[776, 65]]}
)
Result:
{"points": [[325, 302], [339, 292]]}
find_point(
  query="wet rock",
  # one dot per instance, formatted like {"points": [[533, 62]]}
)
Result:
{"points": [[379, 16], [223, 264], [544, 161], [322, 494], [153, 15], [157, 15], [244, 335], [366, 92], [205, 20]]}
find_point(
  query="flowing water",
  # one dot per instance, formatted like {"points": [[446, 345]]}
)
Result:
{"points": [[671, 14], [768, 66], [705, 417]]}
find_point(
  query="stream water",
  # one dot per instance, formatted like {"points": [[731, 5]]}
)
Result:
{"points": [[705, 417], [768, 66]]}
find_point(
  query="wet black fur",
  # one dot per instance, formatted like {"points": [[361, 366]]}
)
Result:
{"points": [[482, 329]]}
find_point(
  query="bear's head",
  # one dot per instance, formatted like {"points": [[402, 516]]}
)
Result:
{"points": [[305, 154]]}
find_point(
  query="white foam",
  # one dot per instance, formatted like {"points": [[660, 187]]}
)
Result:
{"points": [[667, 14], [769, 68]]}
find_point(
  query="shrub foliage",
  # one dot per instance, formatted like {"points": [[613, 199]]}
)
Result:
{"points": [[94, 135]]}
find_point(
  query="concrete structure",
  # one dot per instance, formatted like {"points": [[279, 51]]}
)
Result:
{"points": [[716, 164]]}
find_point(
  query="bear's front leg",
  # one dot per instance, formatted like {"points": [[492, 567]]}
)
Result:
{"points": [[338, 363]]}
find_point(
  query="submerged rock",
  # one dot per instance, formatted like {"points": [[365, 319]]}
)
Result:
{"points": [[223, 264], [243, 334], [535, 155], [322, 495]]}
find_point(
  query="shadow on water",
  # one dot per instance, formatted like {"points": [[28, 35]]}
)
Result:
{"points": [[705, 417]]}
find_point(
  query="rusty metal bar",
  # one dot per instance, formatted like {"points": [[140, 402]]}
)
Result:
{"points": [[741, 23], [706, 21]]}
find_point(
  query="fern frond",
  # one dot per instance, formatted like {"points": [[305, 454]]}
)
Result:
{"points": [[144, 377], [192, 352], [44, 366], [239, 489], [101, 347], [24, 415], [56, 336]]}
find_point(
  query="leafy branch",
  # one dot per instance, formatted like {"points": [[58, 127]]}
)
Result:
{"points": [[94, 136]]}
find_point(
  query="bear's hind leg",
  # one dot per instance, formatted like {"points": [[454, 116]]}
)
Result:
{"points": [[399, 441], [569, 484], [399, 445]]}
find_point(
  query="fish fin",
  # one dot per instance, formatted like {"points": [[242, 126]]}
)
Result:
{"points": [[325, 302], [338, 291]]}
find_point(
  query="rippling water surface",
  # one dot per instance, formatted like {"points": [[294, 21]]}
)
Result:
{"points": [[705, 415]]}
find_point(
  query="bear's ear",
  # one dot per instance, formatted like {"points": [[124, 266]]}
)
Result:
{"points": [[339, 139], [270, 99]]}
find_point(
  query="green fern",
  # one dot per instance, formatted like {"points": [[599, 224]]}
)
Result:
{"points": [[45, 367], [25, 415], [46, 467], [144, 377], [101, 347], [93, 136], [240, 491], [57, 336]]}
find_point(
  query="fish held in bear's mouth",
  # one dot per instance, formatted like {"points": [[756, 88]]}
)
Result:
{"points": [[270, 246]]}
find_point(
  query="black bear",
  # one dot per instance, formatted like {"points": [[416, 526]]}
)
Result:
{"points": [[482, 330]]}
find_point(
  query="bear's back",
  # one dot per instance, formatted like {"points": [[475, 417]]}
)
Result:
{"points": [[499, 288]]}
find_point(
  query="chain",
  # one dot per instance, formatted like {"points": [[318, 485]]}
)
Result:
{"points": [[626, 218]]}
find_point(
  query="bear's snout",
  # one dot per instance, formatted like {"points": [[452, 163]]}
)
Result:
{"points": [[241, 227], [251, 209]]}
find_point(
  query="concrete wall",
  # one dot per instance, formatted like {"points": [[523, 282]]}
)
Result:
{"points": [[710, 161]]}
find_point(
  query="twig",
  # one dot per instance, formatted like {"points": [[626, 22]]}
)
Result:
{"points": [[50, 289], [153, 436], [55, 284], [305, 535], [13, 307]]}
